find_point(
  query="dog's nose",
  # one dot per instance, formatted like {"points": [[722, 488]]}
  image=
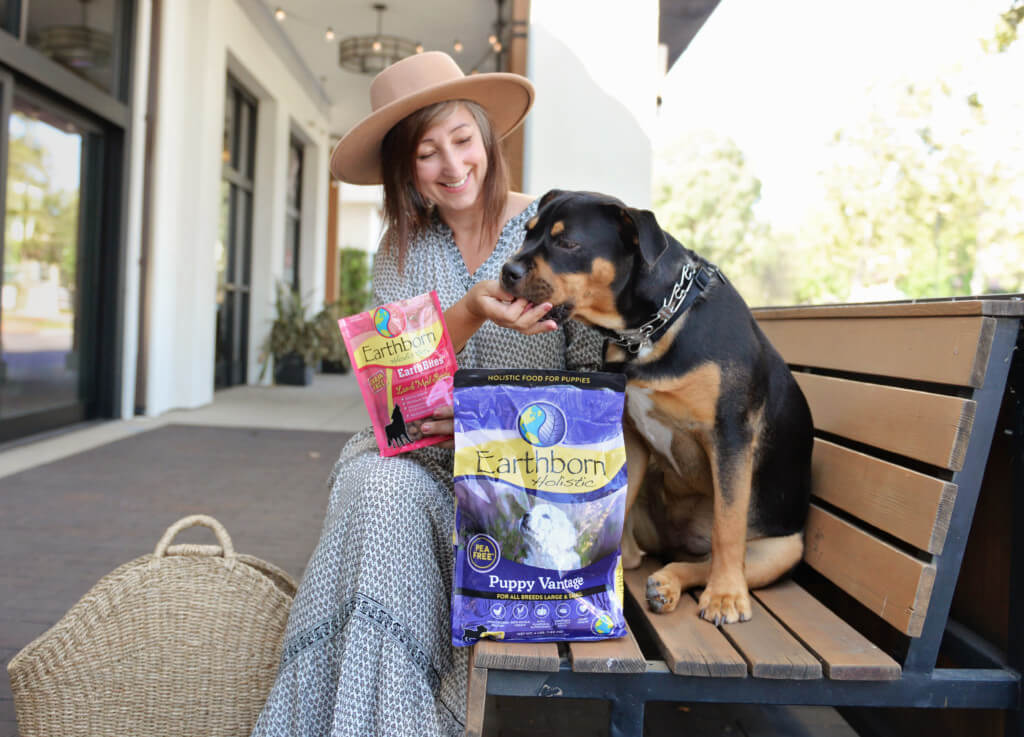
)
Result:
{"points": [[512, 273]]}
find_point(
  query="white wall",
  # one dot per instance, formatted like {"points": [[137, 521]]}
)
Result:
{"points": [[359, 217], [595, 66], [201, 40]]}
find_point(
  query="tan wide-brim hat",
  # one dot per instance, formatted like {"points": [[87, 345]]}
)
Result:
{"points": [[413, 83]]}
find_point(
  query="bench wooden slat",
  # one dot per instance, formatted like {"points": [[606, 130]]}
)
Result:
{"points": [[933, 428], [892, 584], [542, 656], [912, 506], [945, 308], [947, 350], [690, 645], [769, 649], [845, 654], [621, 655]]}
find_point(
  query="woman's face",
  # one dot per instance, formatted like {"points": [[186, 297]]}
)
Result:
{"points": [[451, 162]]}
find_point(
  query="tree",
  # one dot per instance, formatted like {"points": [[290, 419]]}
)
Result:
{"points": [[913, 209], [705, 196]]}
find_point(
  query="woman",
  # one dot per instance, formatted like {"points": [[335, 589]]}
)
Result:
{"points": [[367, 650]]}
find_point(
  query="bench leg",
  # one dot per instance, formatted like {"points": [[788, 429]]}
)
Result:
{"points": [[627, 717], [476, 700]]}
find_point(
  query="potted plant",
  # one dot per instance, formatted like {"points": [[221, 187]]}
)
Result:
{"points": [[333, 354], [295, 342]]}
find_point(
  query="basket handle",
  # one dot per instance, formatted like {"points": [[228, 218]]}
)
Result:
{"points": [[196, 520]]}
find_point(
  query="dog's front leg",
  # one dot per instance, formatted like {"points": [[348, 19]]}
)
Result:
{"points": [[637, 457], [726, 598]]}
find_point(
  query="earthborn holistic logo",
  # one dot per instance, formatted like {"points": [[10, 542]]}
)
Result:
{"points": [[482, 553], [388, 324], [541, 424]]}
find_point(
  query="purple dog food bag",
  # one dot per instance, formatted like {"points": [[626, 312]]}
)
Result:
{"points": [[540, 487]]}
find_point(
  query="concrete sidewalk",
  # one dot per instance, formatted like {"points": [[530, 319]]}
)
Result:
{"points": [[332, 403]]}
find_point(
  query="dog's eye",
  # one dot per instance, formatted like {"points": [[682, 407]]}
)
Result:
{"points": [[567, 244]]}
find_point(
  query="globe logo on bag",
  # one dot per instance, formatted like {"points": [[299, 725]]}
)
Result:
{"points": [[388, 324], [541, 424]]}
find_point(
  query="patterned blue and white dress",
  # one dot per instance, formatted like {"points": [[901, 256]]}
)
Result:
{"points": [[368, 647]]}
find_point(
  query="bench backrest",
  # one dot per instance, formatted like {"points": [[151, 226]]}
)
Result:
{"points": [[904, 399]]}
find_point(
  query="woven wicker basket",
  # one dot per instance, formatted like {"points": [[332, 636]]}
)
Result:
{"points": [[181, 642]]}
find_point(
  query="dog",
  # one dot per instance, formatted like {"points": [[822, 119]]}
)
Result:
{"points": [[395, 430], [550, 538], [710, 404]]}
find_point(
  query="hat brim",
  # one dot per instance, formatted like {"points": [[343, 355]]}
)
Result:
{"points": [[507, 98]]}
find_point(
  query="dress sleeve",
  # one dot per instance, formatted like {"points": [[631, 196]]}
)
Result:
{"points": [[584, 347]]}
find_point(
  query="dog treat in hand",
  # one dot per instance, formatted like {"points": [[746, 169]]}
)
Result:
{"points": [[540, 488], [404, 362]]}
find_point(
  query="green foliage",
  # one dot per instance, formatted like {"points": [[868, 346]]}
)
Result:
{"points": [[1006, 30], [913, 210], [48, 216], [705, 196], [915, 204], [354, 280]]}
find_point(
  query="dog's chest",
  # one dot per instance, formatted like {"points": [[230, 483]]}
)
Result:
{"points": [[651, 424]]}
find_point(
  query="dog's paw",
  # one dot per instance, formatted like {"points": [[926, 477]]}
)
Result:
{"points": [[725, 607], [662, 593]]}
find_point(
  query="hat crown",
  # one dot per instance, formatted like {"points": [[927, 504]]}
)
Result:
{"points": [[411, 75]]}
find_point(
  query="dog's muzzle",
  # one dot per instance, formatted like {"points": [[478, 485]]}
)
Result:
{"points": [[512, 275]]}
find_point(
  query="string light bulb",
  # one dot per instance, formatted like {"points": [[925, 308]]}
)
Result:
{"points": [[457, 46], [329, 34], [280, 14], [419, 48]]}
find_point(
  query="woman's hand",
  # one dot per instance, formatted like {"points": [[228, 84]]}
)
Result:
{"points": [[441, 423], [488, 301]]}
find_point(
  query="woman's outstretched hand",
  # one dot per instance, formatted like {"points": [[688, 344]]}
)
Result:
{"points": [[487, 300]]}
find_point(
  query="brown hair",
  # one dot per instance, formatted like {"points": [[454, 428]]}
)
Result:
{"points": [[405, 210]]}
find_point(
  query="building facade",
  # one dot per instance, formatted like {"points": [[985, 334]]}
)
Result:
{"points": [[165, 168]]}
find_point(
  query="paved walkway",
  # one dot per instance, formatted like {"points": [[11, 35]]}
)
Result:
{"points": [[332, 403]]}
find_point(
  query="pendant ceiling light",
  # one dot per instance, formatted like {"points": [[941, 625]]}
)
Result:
{"points": [[78, 47], [370, 54]]}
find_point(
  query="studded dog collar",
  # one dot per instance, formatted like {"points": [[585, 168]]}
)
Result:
{"points": [[692, 282]]}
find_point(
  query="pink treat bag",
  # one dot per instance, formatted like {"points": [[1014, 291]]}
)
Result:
{"points": [[403, 359]]}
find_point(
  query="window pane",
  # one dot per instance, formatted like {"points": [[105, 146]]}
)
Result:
{"points": [[295, 174], [40, 351], [78, 35], [9, 16]]}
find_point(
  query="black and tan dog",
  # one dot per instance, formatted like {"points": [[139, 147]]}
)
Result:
{"points": [[708, 400]]}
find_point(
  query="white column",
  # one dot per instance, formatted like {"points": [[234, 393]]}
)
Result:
{"points": [[595, 66]]}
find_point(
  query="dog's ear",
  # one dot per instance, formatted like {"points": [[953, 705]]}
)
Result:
{"points": [[649, 236], [550, 195]]}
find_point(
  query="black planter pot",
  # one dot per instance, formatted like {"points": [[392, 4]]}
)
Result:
{"points": [[333, 367], [292, 370]]}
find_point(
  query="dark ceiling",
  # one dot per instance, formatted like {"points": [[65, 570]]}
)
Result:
{"points": [[679, 22]]}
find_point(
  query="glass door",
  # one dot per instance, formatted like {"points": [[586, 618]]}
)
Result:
{"points": [[47, 292], [234, 245]]}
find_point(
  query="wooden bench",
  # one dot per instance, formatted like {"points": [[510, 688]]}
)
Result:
{"points": [[905, 398]]}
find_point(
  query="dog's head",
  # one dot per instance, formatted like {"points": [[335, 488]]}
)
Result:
{"points": [[579, 252], [547, 528]]}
